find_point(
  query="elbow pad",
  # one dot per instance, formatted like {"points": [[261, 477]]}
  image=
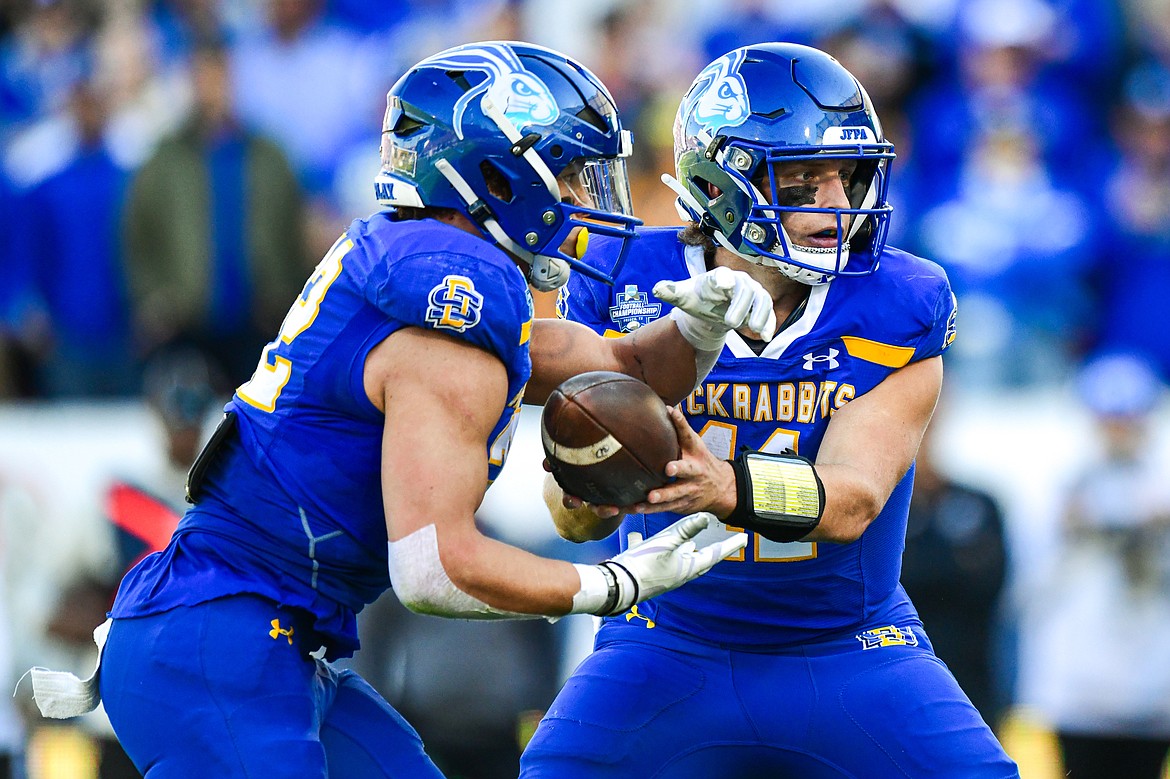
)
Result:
{"points": [[779, 496], [422, 585]]}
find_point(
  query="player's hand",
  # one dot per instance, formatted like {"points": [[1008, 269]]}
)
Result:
{"points": [[699, 481], [667, 559], [724, 300]]}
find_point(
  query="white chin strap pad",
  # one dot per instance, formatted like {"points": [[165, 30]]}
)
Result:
{"points": [[423, 586], [548, 273]]}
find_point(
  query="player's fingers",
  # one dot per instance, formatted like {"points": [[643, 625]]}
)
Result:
{"points": [[633, 538], [715, 287], [739, 306], [689, 526], [673, 536], [709, 555], [763, 314], [677, 498], [688, 439]]}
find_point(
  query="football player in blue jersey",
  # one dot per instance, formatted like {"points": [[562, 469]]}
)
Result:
{"points": [[356, 455], [801, 656]]}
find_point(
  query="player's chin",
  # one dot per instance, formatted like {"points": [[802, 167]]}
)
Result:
{"points": [[750, 334]]}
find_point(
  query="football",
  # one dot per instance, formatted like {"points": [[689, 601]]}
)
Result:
{"points": [[607, 437]]}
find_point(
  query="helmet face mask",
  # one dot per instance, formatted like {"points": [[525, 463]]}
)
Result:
{"points": [[524, 141], [760, 110]]}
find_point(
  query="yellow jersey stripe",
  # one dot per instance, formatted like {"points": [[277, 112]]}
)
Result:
{"points": [[882, 354]]}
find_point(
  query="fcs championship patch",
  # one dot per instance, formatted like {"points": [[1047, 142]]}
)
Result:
{"points": [[633, 309], [887, 636], [454, 304]]}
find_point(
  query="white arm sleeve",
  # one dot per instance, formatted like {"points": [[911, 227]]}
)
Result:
{"points": [[422, 584]]}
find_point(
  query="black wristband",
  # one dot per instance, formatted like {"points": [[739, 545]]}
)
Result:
{"points": [[614, 593], [616, 604], [784, 499]]}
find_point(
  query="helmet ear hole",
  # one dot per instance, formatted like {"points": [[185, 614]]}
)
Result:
{"points": [[709, 190], [495, 181]]}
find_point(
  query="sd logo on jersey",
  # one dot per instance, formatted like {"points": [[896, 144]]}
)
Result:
{"points": [[454, 304]]}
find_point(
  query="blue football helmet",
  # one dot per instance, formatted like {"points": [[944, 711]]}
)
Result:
{"points": [[495, 130], [763, 105]]}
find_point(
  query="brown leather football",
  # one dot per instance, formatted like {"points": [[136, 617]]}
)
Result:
{"points": [[607, 437]]}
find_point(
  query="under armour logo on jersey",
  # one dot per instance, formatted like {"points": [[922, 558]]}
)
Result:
{"points": [[887, 636], [454, 304], [720, 98], [277, 631], [811, 359], [633, 613]]}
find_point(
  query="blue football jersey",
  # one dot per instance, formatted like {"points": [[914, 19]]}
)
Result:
{"points": [[292, 507], [852, 333]]}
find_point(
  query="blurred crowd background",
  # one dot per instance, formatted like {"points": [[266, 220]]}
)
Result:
{"points": [[171, 170]]}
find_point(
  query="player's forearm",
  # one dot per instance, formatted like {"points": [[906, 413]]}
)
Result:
{"points": [[511, 579], [659, 355], [852, 502], [454, 571]]}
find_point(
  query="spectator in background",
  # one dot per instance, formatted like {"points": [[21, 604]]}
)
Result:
{"points": [[311, 85], [78, 327], [1109, 603], [1132, 274], [15, 294], [891, 57], [1003, 83], [141, 511], [214, 232], [1017, 248], [47, 53], [954, 568], [1010, 151]]}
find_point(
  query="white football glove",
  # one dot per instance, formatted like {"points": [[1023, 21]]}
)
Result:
{"points": [[666, 560], [709, 306]]}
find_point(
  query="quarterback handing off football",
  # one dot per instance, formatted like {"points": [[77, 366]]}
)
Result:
{"points": [[607, 437]]}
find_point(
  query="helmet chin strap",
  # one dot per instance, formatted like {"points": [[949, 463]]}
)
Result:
{"points": [[544, 273]]}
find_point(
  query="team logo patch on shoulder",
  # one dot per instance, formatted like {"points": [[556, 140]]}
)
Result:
{"points": [[454, 304], [889, 635], [633, 309]]}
